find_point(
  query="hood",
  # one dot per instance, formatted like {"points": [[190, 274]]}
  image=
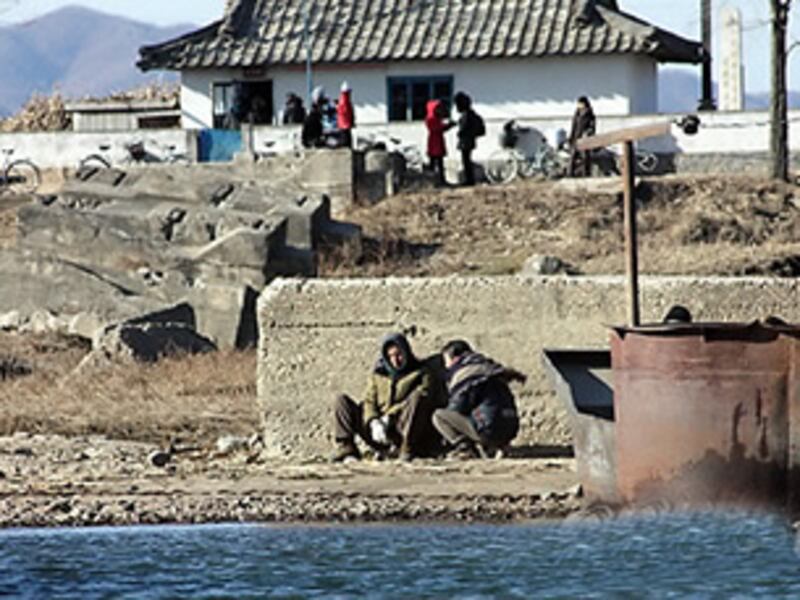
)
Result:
{"points": [[410, 361], [431, 107]]}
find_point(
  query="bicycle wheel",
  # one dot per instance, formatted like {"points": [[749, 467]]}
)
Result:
{"points": [[502, 167], [530, 167], [22, 177], [550, 165], [94, 161], [646, 162]]}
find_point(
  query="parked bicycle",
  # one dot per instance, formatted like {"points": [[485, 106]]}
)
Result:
{"points": [[136, 154], [524, 152], [20, 176]]}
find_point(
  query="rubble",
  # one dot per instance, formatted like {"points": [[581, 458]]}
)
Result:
{"points": [[115, 244]]}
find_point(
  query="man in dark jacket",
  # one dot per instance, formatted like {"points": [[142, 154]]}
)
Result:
{"points": [[294, 112], [470, 128], [583, 125], [481, 417], [311, 135], [397, 407]]}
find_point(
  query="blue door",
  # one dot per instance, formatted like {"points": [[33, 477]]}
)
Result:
{"points": [[219, 145]]}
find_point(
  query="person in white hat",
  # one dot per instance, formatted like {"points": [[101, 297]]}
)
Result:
{"points": [[345, 116]]}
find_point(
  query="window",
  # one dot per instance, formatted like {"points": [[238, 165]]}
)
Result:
{"points": [[223, 100], [242, 102], [408, 96]]}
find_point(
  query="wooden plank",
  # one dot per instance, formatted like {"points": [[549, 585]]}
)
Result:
{"points": [[631, 241], [628, 134]]}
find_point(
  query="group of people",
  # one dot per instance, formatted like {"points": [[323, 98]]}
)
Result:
{"points": [[457, 403], [470, 127], [326, 124], [330, 124]]}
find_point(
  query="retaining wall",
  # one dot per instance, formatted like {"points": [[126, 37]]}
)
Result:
{"points": [[321, 337]]}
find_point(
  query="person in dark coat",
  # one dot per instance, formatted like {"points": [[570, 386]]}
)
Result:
{"points": [[470, 128], [313, 135], [397, 407], [583, 125], [294, 113], [481, 416]]}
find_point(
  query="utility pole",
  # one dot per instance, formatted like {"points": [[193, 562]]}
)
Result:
{"points": [[779, 129], [707, 94], [307, 43]]}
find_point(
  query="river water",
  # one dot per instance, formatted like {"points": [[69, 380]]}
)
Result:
{"points": [[690, 555]]}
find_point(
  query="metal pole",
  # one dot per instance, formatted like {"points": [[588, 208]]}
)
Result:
{"points": [[631, 243], [707, 99], [307, 42]]}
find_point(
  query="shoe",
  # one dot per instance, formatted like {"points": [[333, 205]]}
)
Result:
{"points": [[345, 451], [463, 451], [406, 456]]}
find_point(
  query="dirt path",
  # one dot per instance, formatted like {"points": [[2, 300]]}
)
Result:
{"points": [[69, 481]]}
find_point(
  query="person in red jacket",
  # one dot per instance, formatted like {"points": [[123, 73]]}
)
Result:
{"points": [[437, 124], [345, 116]]}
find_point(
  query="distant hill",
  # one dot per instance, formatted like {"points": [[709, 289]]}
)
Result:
{"points": [[679, 91], [77, 51]]}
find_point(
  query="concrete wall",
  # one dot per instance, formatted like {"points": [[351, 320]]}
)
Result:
{"points": [[66, 149], [618, 85], [721, 135], [745, 133], [320, 338]]}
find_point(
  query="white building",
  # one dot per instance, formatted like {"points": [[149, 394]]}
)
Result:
{"points": [[516, 58]]}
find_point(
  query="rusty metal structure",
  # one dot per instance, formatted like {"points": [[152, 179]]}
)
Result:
{"points": [[700, 413]]}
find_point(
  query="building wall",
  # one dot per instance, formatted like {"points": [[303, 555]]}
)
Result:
{"points": [[196, 101], [320, 338], [618, 85]]}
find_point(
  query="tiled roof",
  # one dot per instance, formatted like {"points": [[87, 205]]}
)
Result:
{"points": [[271, 32]]}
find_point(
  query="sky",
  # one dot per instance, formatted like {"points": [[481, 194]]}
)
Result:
{"points": [[679, 16]]}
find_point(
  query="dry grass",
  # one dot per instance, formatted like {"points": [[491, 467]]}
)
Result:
{"points": [[704, 225], [191, 399]]}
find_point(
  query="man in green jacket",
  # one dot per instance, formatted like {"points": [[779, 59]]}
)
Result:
{"points": [[397, 407]]}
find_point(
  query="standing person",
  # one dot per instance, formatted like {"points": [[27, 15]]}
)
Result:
{"points": [[294, 112], [345, 116], [481, 415], [583, 125], [312, 135], [437, 124], [470, 128], [397, 407]]}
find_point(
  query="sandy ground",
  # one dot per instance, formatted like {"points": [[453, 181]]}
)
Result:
{"points": [[50, 480], [77, 451]]}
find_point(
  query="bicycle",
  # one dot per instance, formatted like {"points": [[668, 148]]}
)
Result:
{"points": [[525, 152], [20, 176], [137, 154]]}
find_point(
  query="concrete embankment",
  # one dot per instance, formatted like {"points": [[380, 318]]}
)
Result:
{"points": [[320, 337]]}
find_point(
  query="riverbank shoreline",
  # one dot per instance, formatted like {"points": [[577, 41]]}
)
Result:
{"points": [[61, 481]]}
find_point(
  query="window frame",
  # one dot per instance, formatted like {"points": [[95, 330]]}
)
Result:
{"points": [[409, 82]]}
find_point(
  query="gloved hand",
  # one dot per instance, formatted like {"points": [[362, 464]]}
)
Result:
{"points": [[378, 431]]}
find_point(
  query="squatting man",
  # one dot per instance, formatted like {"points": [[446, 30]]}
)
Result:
{"points": [[458, 403]]}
